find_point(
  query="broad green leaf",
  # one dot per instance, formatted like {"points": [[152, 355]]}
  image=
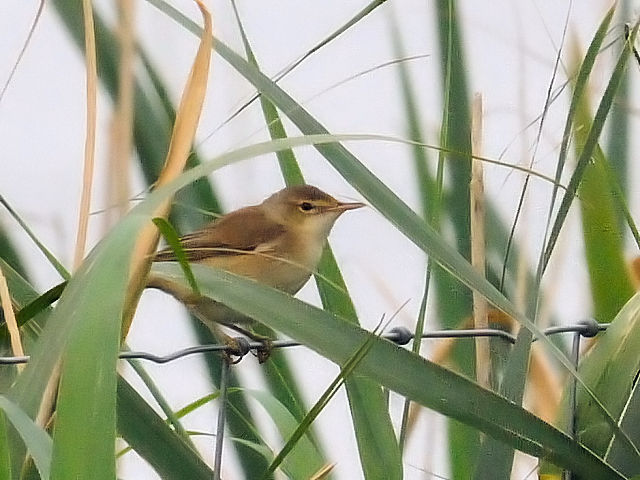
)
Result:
{"points": [[618, 126], [590, 145], [618, 453], [399, 370], [377, 445], [609, 278], [152, 124], [453, 297], [147, 437], [610, 368], [91, 308]]}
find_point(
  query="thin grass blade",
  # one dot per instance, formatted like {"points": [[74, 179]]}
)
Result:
{"points": [[35, 438], [377, 445], [152, 438]]}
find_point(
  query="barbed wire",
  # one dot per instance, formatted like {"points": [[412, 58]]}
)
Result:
{"points": [[397, 335]]}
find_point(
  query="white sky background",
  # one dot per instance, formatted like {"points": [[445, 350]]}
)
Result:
{"points": [[510, 51]]}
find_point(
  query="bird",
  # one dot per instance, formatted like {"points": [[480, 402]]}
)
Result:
{"points": [[278, 243]]}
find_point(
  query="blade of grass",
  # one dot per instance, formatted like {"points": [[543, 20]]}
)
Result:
{"points": [[9, 253], [83, 444], [52, 259], [377, 445], [305, 459], [172, 417], [5, 450], [590, 144], [610, 369], [152, 438], [370, 7], [345, 371], [182, 135], [495, 461], [33, 308], [455, 135], [618, 125], [36, 439], [171, 236]]}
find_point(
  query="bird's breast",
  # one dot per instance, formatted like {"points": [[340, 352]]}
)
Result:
{"points": [[285, 265]]}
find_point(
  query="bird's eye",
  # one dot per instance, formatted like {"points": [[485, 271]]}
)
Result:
{"points": [[306, 206]]}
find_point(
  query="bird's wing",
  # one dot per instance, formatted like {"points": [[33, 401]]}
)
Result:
{"points": [[250, 229]]}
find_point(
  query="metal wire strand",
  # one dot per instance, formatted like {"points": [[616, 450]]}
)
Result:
{"points": [[398, 335]]}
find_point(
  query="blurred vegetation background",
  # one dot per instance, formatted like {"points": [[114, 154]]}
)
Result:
{"points": [[398, 104]]}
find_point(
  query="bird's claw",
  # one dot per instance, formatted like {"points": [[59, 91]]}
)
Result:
{"points": [[236, 347], [263, 352]]}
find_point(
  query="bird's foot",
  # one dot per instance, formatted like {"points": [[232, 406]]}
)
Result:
{"points": [[237, 348], [263, 352]]}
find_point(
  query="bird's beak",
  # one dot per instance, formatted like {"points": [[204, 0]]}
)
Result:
{"points": [[343, 207]]}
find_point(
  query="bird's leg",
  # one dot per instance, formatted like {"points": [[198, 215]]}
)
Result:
{"points": [[264, 351], [237, 347], [213, 314]]}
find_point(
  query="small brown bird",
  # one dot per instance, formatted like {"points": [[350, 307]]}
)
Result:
{"points": [[278, 243]]}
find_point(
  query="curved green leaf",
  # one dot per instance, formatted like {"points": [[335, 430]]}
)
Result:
{"points": [[399, 370], [35, 438]]}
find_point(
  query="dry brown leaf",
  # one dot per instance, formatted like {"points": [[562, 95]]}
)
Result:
{"points": [[184, 130]]}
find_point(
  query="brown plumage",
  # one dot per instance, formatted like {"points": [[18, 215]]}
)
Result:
{"points": [[240, 231], [278, 243]]}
